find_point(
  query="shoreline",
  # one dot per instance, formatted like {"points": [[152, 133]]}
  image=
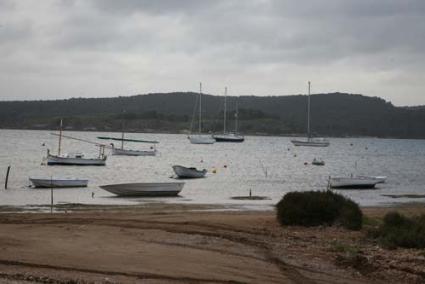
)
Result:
{"points": [[293, 135], [207, 207], [165, 243]]}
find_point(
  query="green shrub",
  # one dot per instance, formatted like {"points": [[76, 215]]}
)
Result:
{"points": [[313, 208], [400, 231]]}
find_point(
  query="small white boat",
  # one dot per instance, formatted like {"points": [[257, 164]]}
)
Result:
{"points": [[145, 189], [128, 152], [318, 162], [353, 182], [58, 182], [201, 139], [184, 172]]}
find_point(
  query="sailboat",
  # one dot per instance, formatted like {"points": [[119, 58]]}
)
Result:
{"points": [[229, 136], [128, 152], [312, 142], [75, 159], [199, 138]]}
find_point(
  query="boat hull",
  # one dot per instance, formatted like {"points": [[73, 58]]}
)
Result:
{"points": [[201, 139], [58, 183], [124, 152], [72, 161], [184, 172], [145, 189], [229, 138], [353, 182], [310, 143], [380, 179]]}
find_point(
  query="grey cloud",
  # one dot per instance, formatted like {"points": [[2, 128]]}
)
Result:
{"points": [[215, 39]]}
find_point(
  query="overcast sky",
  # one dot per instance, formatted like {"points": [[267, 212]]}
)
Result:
{"points": [[105, 48]]}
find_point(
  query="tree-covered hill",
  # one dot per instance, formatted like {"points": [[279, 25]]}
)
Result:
{"points": [[334, 114]]}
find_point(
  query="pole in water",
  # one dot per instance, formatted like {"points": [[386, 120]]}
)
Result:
{"points": [[7, 177], [51, 195]]}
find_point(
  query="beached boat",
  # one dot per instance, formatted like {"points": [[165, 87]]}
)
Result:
{"points": [[184, 172], [145, 189], [311, 141], [129, 152], [353, 182], [58, 182], [200, 138], [75, 159], [229, 136]]}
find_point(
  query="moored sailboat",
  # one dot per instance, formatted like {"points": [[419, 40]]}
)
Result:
{"points": [[311, 141], [129, 152], [75, 159], [200, 138], [229, 136]]}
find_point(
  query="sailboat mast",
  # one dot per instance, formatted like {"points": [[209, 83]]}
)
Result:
{"points": [[236, 116], [225, 109], [200, 107], [122, 131], [308, 112], [60, 138], [122, 137]]}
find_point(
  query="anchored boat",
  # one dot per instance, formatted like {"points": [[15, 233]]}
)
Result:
{"points": [[184, 172], [75, 159], [200, 138], [354, 182], [229, 136], [158, 189], [58, 182], [311, 141]]}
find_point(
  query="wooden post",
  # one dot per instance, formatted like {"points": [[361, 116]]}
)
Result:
{"points": [[60, 139], [7, 177], [51, 195]]}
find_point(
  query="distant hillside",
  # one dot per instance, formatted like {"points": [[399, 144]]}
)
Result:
{"points": [[334, 114]]}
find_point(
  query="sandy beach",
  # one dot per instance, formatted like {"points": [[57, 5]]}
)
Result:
{"points": [[187, 244]]}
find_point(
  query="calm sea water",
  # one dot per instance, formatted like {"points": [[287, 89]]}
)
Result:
{"points": [[268, 166]]}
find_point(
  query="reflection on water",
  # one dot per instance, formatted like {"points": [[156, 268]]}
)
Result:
{"points": [[268, 166]]}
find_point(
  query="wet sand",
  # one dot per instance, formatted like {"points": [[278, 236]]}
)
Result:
{"points": [[186, 244]]}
